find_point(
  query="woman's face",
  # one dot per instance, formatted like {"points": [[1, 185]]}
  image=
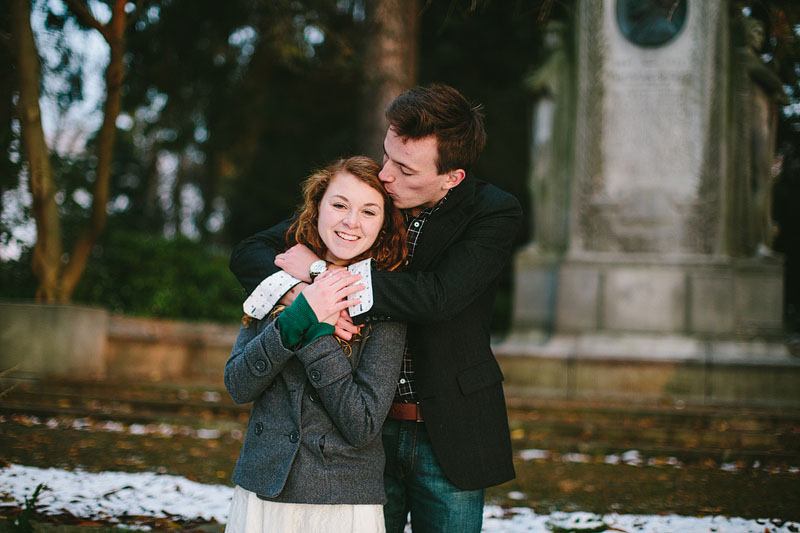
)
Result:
{"points": [[350, 217]]}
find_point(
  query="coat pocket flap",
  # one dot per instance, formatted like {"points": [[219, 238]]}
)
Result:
{"points": [[479, 376]]}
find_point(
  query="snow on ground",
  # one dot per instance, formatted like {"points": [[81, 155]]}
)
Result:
{"points": [[634, 458], [107, 495], [111, 494], [630, 457]]}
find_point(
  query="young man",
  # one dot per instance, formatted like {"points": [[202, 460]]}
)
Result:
{"points": [[446, 438]]}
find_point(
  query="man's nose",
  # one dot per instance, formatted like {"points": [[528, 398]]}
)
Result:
{"points": [[385, 175]]}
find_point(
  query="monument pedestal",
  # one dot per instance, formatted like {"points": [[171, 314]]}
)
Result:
{"points": [[651, 292], [650, 369], [689, 329], [694, 295]]}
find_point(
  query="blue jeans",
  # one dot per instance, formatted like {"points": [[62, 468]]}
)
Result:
{"points": [[415, 483]]}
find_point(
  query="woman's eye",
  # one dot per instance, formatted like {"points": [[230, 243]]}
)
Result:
{"points": [[339, 205], [370, 213]]}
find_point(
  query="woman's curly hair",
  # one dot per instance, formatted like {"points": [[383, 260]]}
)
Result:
{"points": [[389, 250]]}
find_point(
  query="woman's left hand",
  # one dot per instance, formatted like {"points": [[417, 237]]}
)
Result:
{"points": [[344, 327], [327, 296]]}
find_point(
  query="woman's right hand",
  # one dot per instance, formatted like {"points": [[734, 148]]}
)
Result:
{"points": [[327, 295]]}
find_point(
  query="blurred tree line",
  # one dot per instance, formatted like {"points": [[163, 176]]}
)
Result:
{"points": [[223, 112], [224, 109]]}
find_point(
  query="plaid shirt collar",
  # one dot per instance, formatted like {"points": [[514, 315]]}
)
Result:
{"points": [[428, 211], [414, 225]]}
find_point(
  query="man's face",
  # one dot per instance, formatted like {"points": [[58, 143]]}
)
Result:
{"points": [[409, 172]]}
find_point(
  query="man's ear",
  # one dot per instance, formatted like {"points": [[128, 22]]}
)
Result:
{"points": [[454, 178]]}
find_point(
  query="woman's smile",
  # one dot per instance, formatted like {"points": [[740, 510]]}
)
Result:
{"points": [[347, 236]]}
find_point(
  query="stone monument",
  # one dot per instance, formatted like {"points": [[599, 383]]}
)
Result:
{"points": [[657, 264]]}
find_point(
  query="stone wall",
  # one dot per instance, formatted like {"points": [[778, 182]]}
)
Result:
{"points": [[158, 350], [53, 340], [68, 341]]}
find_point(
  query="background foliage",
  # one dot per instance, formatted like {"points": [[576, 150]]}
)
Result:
{"points": [[227, 107]]}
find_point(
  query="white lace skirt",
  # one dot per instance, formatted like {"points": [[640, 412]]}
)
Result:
{"points": [[249, 514]]}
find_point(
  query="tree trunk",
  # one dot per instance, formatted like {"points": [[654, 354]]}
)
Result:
{"points": [[47, 251], [390, 65], [58, 275], [114, 33]]}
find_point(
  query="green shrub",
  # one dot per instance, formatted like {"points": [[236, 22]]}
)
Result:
{"points": [[139, 274]]}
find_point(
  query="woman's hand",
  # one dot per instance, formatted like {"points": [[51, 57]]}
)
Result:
{"points": [[344, 327], [291, 295], [296, 261], [327, 295]]}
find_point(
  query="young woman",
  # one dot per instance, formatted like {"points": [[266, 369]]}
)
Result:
{"points": [[312, 458]]}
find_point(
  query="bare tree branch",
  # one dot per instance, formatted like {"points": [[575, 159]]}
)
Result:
{"points": [[85, 16], [115, 73]]}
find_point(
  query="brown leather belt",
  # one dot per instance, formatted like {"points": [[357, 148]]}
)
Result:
{"points": [[405, 411]]}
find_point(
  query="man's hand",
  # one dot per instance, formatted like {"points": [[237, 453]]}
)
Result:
{"points": [[327, 296], [290, 296], [296, 261], [344, 327]]}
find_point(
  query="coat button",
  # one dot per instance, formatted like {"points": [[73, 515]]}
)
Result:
{"points": [[259, 428], [312, 396], [261, 365], [315, 375], [294, 436]]}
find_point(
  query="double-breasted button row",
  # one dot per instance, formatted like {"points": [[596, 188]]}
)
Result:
{"points": [[260, 365], [377, 318], [294, 436]]}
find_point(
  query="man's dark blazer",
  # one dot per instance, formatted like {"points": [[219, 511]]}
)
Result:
{"points": [[446, 295]]}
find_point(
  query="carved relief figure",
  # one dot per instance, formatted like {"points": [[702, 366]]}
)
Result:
{"points": [[759, 98], [550, 142]]}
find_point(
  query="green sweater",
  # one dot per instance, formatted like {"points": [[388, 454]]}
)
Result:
{"points": [[299, 325]]}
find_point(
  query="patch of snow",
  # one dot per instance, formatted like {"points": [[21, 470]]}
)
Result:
{"points": [[208, 434], [108, 495], [576, 522], [612, 459], [729, 467], [528, 455], [164, 430], [575, 458], [210, 396], [632, 458]]}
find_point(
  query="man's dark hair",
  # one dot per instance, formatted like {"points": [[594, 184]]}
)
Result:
{"points": [[441, 111]]}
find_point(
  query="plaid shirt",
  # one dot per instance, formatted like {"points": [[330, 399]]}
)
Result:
{"points": [[406, 389]]}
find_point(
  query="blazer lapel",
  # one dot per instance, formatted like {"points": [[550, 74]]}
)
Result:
{"points": [[443, 226]]}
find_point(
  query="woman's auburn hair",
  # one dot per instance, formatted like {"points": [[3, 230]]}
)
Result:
{"points": [[389, 250]]}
